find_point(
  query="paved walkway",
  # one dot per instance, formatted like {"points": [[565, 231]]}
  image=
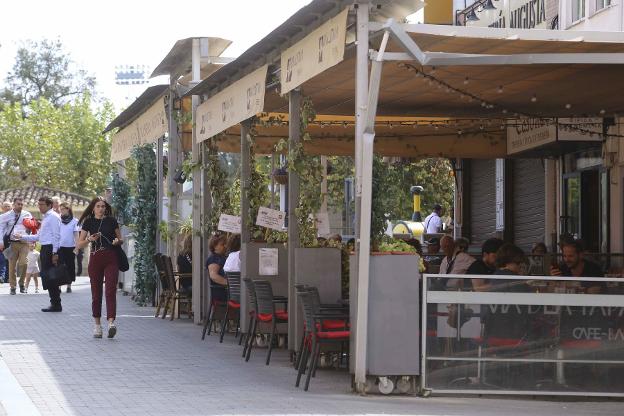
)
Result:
{"points": [[51, 365]]}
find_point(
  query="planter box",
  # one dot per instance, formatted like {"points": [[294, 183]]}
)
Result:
{"points": [[393, 338], [250, 269], [319, 267]]}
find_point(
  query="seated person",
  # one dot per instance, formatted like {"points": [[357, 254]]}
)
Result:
{"points": [[185, 262], [214, 264], [575, 265], [486, 264], [536, 267], [232, 263], [433, 249]]}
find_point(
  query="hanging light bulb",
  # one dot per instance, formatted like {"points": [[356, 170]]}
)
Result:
{"points": [[534, 98], [568, 106], [466, 81], [499, 89], [602, 111]]}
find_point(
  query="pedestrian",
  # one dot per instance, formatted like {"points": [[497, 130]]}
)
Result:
{"points": [[69, 238], [101, 229], [433, 222], [56, 204], [49, 237], [32, 267], [11, 223], [4, 262]]}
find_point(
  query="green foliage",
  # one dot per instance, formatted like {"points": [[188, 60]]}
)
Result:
{"points": [[122, 200], [217, 183], [258, 192], [58, 147], [390, 244], [145, 215], [44, 70]]}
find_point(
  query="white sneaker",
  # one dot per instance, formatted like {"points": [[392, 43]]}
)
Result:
{"points": [[112, 329], [97, 332]]}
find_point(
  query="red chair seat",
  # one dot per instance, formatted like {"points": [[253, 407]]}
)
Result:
{"points": [[332, 324], [233, 304], [333, 334], [581, 343], [503, 342], [268, 317]]}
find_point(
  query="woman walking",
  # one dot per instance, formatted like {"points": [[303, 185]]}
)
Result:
{"points": [[69, 237], [101, 229]]}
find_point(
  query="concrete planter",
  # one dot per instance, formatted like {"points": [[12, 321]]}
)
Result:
{"points": [[393, 338]]}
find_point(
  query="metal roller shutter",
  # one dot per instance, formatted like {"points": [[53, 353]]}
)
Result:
{"points": [[528, 209], [482, 201]]}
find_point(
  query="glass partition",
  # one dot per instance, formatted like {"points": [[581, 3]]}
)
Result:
{"points": [[523, 334]]}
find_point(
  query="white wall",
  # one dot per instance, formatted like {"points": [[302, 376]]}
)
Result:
{"points": [[607, 19]]}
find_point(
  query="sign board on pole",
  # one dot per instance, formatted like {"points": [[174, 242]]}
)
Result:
{"points": [[320, 50], [153, 124], [240, 101], [124, 141], [268, 261], [270, 218], [229, 223]]}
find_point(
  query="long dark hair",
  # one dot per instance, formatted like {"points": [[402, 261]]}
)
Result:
{"points": [[88, 213]]}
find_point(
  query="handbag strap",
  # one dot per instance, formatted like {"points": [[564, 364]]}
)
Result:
{"points": [[17, 217]]}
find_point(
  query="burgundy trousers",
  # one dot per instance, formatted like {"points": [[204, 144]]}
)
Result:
{"points": [[103, 264]]}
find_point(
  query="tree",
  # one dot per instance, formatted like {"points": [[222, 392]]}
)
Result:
{"points": [[59, 147], [43, 70]]}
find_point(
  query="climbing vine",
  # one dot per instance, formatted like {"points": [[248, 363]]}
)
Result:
{"points": [[257, 193], [122, 200], [145, 220], [218, 184]]}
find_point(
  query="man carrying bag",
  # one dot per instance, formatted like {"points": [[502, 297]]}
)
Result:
{"points": [[12, 222], [49, 237]]}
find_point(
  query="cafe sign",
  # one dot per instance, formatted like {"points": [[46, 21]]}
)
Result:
{"points": [[518, 14], [236, 103], [532, 133], [320, 50], [153, 124], [124, 141]]}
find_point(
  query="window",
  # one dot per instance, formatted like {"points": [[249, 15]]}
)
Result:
{"points": [[601, 4], [578, 10]]}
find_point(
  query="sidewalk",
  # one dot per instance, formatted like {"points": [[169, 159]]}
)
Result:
{"points": [[159, 367]]}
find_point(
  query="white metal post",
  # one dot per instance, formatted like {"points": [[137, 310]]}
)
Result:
{"points": [[198, 282], [294, 136]]}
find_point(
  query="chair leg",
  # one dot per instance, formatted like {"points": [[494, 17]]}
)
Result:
{"points": [[248, 335], [268, 359], [160, 300], [211, 318], [224, 323], [303, 361], [313, 359], [251, 339], [166, 308], [238, 332], [207, 323], [174, 298], [301, 347]]}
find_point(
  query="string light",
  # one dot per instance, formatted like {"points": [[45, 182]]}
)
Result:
{"points": [[500, 89], [568, 106], [466, 81], [534, 98]]}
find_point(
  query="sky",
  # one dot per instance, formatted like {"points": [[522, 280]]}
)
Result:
{"points": [[99, 34]]}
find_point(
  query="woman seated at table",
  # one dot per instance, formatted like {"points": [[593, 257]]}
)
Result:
{"points": [[185, 262], [214, 264], [232, 263]]}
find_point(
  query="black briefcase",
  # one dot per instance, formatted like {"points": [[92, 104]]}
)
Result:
{"points": [[58, 276]]}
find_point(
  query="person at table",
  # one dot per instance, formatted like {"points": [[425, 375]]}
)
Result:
{"points": [[455, 261], [538, 251], [486, 264], [233, 263], [214, 264], [575, 265]]}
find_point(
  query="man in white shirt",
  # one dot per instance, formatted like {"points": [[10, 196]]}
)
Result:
{"points": [[12, 222], [433, 222], [49, 237]]}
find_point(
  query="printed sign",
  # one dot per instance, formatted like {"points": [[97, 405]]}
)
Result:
{"points": [[124, 141], [320, 50], [153, 124], [229, 223], [238, 102], [529, 133], [521, 14], [270, 218], [268, 261]]}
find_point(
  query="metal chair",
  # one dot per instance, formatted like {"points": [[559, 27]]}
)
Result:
{"points": [[317, 333], [253, 303], [176, 294], [163, 298], [233, 301]]}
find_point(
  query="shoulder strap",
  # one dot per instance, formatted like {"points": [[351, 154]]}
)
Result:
{"points": [[16, 220]]}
